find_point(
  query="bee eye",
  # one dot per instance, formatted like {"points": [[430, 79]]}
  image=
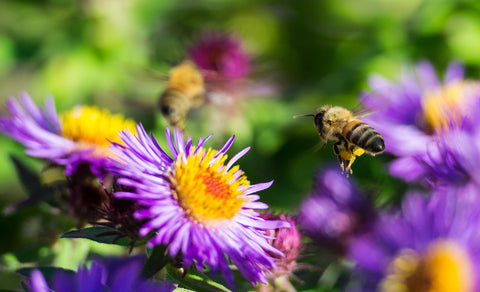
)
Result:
{"points": [[167, 110]]}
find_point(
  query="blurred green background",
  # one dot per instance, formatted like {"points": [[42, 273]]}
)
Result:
{"points": [[113, 54]]}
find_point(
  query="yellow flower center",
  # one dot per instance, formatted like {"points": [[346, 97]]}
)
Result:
{"points": [[207, 192], [444, 267], [91, 127], [448, 104]]}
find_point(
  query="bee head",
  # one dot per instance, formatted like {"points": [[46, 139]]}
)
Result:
{"points": [[318, 120], [173, 107], [167, 110]]}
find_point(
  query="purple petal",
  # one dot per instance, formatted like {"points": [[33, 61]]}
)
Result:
{"points": [[170, 143], [235, 158], [225, 147], [179, 140], [38, 283], [258, 187], [455, 72], [427, 76]]}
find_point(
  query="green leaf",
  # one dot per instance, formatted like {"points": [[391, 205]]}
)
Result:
{"points": [[47, 272], [33, 186], [195, 282], [99, 234], [10, 281], [157, 259], [29, 178]]}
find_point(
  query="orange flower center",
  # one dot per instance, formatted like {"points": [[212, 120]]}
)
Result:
{"points": [[203, 188]]}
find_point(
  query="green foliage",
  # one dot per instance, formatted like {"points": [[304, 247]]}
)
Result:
{"points": [[99, 234], [115, 54]]}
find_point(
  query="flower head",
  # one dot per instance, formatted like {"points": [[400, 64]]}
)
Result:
{"points": [[196, 203], [118, 213], [286, 240], [335, 211], [221, 56], [86, 196], [409, 114], [112, 274], [81, 135], [454, 158], [432, 245]]}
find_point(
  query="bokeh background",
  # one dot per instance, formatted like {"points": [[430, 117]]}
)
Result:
{"points": [[116, 54]]}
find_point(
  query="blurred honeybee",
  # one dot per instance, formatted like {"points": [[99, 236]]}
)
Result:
{"points": [[184, 91], [353, 137]]}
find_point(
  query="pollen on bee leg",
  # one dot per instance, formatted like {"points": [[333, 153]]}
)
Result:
{"points": [[347, 155], [358, 151], [347, 159]]}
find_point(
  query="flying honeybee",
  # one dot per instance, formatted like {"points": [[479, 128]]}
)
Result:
{"points": [[184, 91], [353, 137]]}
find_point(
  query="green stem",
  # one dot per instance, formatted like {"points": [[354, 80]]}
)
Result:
{"points": [[195, 282]]}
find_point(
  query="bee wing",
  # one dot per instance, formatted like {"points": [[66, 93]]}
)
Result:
{"points": [[361, 111], [152, 74], [369, 105], [303, 116], [319, 145]]}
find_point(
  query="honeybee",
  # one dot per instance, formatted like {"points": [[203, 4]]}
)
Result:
{"points": [[353, 137], [184, 91]]}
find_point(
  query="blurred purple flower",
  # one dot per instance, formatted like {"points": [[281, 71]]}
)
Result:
{"points": [[37, 283], [335, 211], [432, 245], [454, 159], [410, 113], [221, 56], [200, 207], [116, 275], [71, 139], [227, 69]]}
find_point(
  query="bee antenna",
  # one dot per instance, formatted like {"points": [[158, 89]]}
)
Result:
{"points": [[301, 116]]}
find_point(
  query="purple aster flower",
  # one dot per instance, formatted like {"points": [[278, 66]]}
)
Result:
{"points": [[335, 211], [202, 208], [222, 56], [454, 159], [112, 274], [432, 245], [411, 112], [79, 136]]}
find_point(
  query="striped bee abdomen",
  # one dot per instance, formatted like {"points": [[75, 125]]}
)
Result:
{"points": [[363, 136]]}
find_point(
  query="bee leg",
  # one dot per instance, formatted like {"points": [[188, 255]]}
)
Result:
{"points": [[339, 157], [348, 168]]}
